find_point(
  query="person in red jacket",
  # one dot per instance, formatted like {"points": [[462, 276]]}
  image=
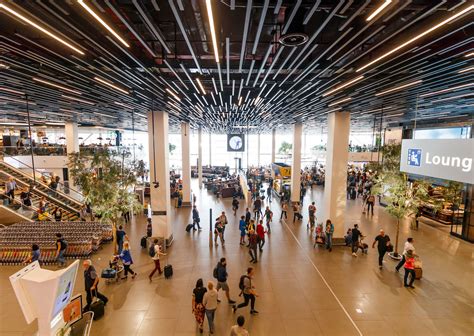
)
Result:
{"points": [[261, 235]]}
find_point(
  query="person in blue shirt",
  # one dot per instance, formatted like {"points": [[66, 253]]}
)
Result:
{"points": [[121, 237], [35, 254], [242, 228], [127, 260], [196, 218]]}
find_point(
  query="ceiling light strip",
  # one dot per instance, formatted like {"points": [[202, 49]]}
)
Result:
{"points": [[417, 37], [213, 29], [44, 30], [447, 90], [340, 101], [78, 99], [339, 87], [378, 10], [201, 86], [103, 81], [403, 86], [36, 79]]}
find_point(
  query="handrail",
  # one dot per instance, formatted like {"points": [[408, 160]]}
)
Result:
{"points": [[31, 208], [63, 205], [43, 184]]}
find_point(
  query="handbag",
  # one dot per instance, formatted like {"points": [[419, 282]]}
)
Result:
{"points": [[389, 247]]}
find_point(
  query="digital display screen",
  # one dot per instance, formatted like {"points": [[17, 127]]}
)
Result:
{"points": [[65, 288]]}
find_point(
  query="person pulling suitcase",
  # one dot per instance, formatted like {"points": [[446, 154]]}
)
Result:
{"points": [[91, 282]]}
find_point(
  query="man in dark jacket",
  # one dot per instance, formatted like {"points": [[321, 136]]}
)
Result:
{"points": [[222, 279], [91, 282], [248, 216], [196, 218], [355, 239]]}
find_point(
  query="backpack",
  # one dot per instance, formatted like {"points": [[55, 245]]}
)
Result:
{"points": [[371, 199], [64, 244], [215, 272], [241, 281], [151, 250]]}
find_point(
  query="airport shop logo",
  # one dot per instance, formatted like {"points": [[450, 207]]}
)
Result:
{"points": [[415, 158]]}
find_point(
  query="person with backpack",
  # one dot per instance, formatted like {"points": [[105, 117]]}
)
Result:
{"points": [[329, 232], [196, 219], [210, 304], [268, 217], [253, 241], [154, 252], [91, 283], [261, 235], [127, 260], [370, 204], [383, 241], [284, 210], [220, 273], [248, 290], [235, 205], [243, 230], [121, 237], [61, 246], [197, 305]]}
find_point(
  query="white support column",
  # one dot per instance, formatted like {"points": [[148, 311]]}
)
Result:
{"points": [[273, 145], [296, 168], [186, 164], [335, 188], [210, 150], [159, 173], [72, 137], [200, 157], [258, 152]]}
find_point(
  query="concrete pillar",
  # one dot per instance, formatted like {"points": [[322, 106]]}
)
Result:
{"points": [[210, 150], [200, 157], [296, 168], [72, 137], [258, 150], [159, 173], [335, 187], [186, 163], [273, 145]]}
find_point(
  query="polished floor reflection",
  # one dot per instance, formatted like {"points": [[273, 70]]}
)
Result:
{"points": [[303, 290]]}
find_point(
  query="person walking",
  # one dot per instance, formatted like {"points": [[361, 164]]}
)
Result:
{"points": [[224, 222], [156, 259], [407, 247], [269, 193], [355, 235], [121, 238], [248, 290], [242, 228], [61, 246], [127, 260], [218, 232], [370, 204], [197, 304], [248, 216], [257, 208], [268, 217], [382, 241], [297, 212], [196, 219], [261, 235], [35, 254], [409, 266], [235, 205], [238, 329], [253, 241], [221, 276], [91, 283], [284, 210], [329, 232], [210, 304], [311, 216]]}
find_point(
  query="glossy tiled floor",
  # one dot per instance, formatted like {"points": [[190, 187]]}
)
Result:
{"points": [[303, 291]]}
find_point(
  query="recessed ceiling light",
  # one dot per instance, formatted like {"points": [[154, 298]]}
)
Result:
{"points": [[111, 85], [398, 88], [103, 23], [56, 85], [426, 32], [44, 30], [379, 9]]}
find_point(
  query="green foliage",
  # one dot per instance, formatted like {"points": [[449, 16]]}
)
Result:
{"points": [[285, 148], [172, 148], [107, 182]]}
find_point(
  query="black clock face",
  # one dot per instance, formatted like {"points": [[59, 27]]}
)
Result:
{"points": [[235, 142]]}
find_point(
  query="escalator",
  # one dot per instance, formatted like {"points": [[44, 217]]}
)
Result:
{"points": [[40, 192]]}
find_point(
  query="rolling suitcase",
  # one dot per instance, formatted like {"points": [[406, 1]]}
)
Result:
{"points": [[97, 307], [143, 242], [168, 270], [418, 269], [189, 227]]}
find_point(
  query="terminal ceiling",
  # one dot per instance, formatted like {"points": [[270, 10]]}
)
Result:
{"points": [[412, 60]]}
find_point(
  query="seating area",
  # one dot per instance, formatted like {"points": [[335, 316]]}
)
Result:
{"points": [[83, 239]]}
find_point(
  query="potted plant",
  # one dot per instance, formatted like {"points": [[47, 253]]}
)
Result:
{"points": [[107, 182]]}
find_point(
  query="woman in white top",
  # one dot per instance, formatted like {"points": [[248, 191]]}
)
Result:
{"points": [[408, 246], [210, 303]]}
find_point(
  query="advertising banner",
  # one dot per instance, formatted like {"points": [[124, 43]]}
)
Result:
{"points": [[449, 159]]}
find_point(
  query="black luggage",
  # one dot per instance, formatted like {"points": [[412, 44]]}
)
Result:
{"points": [[143, 242], [189, 227], [97, 307], [108, 273], [353, 194], [168, 270]]}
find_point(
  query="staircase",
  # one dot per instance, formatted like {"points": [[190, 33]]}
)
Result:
{"points": [[53, 198]]}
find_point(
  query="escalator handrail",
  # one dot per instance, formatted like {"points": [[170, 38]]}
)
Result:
{"points": [[64, 206], [38, 181], [32, 208]]}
